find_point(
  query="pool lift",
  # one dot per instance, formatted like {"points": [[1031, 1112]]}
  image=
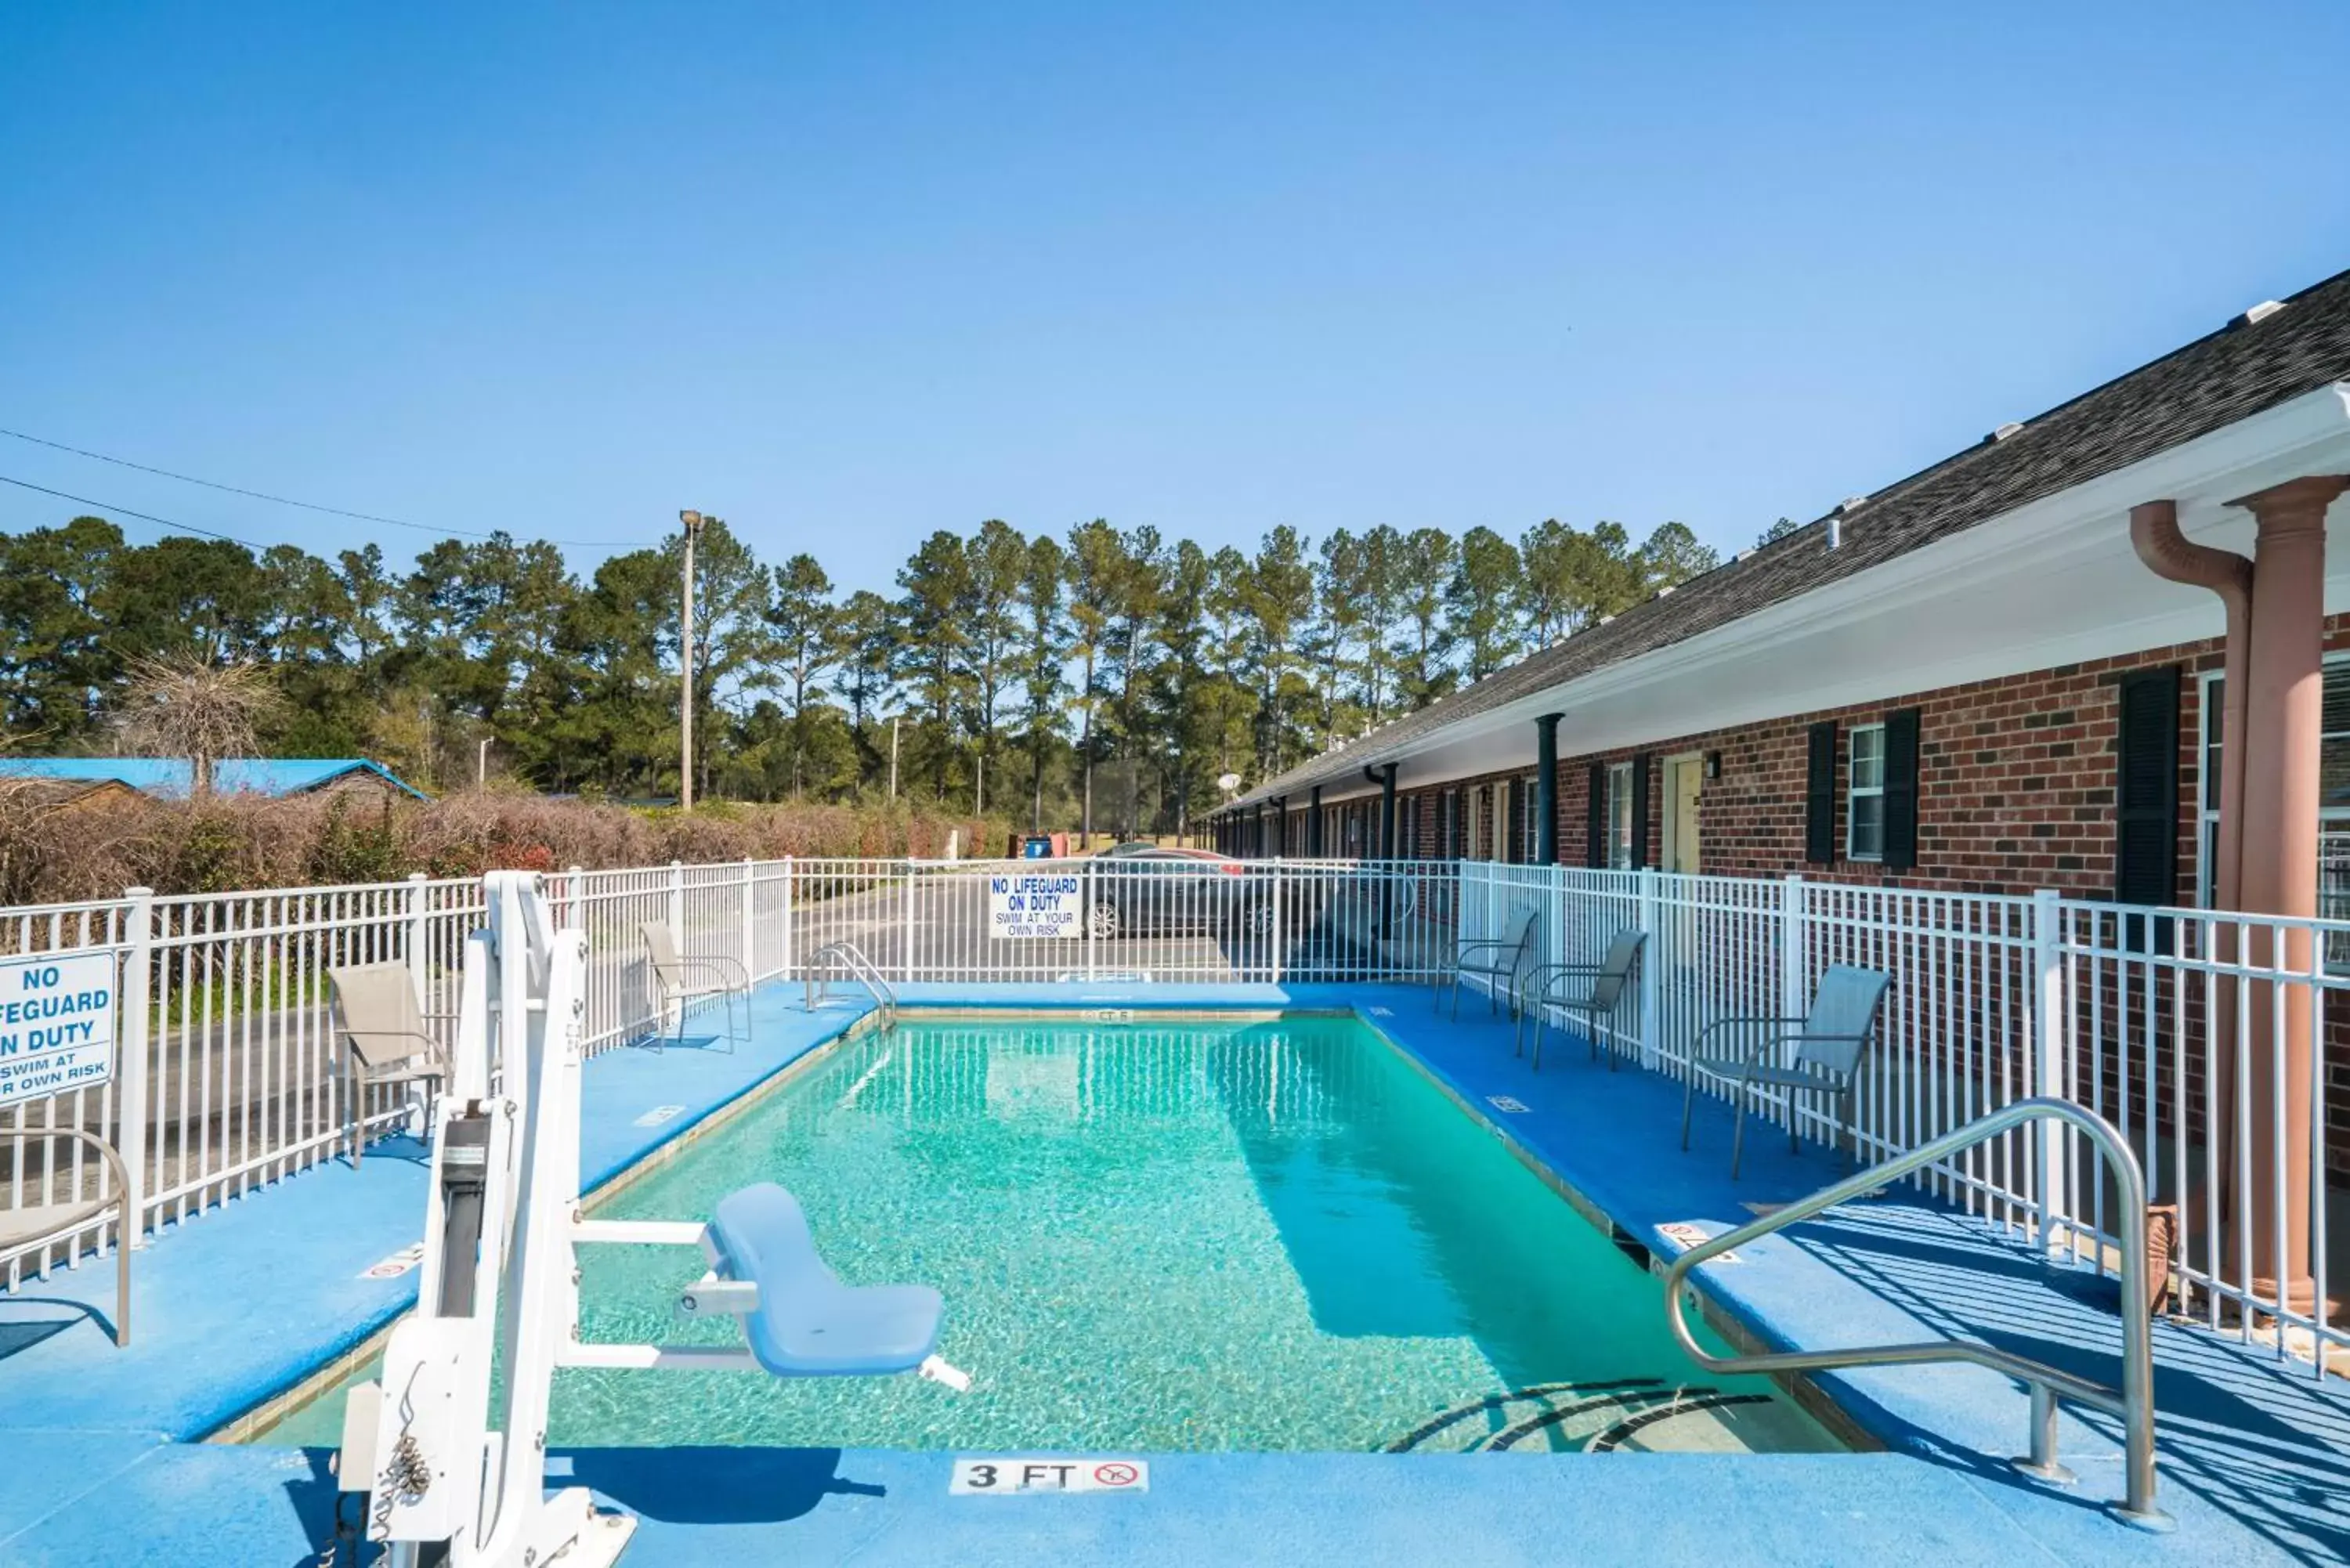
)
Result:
{"points": [[499, 1281]]}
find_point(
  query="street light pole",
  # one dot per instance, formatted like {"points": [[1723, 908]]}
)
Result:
{"points": [[693, 522]]}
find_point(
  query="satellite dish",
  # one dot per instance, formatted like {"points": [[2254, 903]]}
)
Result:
{"points": [[1229, 783]]}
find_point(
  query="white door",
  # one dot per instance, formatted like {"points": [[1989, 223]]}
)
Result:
{"points": [[1684, 786]]}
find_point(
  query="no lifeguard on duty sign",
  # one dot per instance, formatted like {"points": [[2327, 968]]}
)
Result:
{"points": [[56, 1024]]}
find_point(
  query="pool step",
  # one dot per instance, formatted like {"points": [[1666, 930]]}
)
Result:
{"points": [[1632, 1414]]}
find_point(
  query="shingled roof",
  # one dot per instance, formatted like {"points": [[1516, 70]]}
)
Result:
{"points": [[2248, 366]]}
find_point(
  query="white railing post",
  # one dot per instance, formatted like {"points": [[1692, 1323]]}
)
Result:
{"points": [[1795, 996], [131, 1134], [1092, 926], [906, 953], [677, 905], [1277, 901], [1651, 970], [750, 914], [2049, 1040], [790, 871], [418, 967]]}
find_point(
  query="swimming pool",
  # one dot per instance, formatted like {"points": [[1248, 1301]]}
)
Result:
{"points": [[1259, 1236]]}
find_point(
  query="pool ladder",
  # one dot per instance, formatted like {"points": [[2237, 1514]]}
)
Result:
{"points": [[2133, 1402], [849, 957]]}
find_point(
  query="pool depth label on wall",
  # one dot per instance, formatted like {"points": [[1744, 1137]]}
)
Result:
{"points": [[1027, 1478], [1024, 906], [56, 1024]]}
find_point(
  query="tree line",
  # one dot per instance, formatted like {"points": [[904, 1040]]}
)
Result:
{"points": [[1103, 676]]}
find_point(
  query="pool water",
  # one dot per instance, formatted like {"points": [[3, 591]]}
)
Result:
{"points": [[1260, 1236]]}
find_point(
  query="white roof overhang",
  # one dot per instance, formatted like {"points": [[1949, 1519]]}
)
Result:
{"points": [[2052, 582]]}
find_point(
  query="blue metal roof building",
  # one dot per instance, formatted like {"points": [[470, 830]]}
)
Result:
{"points": [[171, 777]]}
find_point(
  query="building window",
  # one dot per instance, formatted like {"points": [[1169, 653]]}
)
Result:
{"points": [[1620, 816], [2332, 796], [1865, 796]]}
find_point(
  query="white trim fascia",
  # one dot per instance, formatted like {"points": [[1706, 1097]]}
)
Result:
{"points": [[2228, 462], [2231, 462], [2309, 434]]}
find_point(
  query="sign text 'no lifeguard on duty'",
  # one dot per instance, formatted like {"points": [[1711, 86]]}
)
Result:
{"points": [[56, 1024], [1041, 903]]}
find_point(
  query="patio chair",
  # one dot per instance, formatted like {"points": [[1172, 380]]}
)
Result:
{"points": [[1828, 1045], [1592, 990], [383, 1031], [20, 1226], [679, 981], [1497, 958]]}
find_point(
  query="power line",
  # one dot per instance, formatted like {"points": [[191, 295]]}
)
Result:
{"points": [[127, 512], [305, 505]]}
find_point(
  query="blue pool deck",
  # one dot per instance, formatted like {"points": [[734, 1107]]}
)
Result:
{"points": [[106, 1465]]}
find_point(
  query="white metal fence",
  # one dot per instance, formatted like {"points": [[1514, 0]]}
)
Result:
{"points": [[228, 1071], [2174, 1025], [2177, 1026]]}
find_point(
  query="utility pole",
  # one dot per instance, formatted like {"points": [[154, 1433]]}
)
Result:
{"points": [[893, 756], [693, 522], [482, 764]]}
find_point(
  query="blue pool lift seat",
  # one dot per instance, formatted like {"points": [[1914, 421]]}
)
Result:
{"points": [[805, 1322]]}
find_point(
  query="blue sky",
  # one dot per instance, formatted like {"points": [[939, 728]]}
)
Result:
{"points": [[848, 274]]}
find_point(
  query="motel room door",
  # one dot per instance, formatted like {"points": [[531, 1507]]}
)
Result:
{"points": [[1684, 778]]}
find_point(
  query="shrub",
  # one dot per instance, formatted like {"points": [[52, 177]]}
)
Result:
{"points": [[232, 842]]}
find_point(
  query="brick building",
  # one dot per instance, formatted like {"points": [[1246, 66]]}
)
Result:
{"points": [[1971, 678]]}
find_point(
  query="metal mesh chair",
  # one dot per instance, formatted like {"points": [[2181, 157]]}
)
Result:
{"points": [[1828, 1042], [678, 982], [1594, 991], [1498, 958], [38, 1221], [383, 1028]]}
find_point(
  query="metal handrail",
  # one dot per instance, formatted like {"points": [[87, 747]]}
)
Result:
{"points": [[861, 970], [2134, 1402]]}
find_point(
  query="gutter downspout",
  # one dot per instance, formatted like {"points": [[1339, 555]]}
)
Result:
{"points": [[2170, 554]]}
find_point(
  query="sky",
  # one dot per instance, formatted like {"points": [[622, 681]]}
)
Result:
{"points": [[846, 275]]}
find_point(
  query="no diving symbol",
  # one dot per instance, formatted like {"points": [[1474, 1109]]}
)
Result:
{"points": [[1116, 1475]]}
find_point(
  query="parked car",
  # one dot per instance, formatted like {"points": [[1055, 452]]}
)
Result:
{"points": [[1141, 889]]}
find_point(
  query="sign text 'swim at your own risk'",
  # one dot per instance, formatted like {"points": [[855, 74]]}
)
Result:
{"points": [[1040, 904], [56, 1024]]}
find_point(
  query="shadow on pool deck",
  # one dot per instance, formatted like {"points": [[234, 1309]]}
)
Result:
{"points": [[2254, 1452], [2255, 1456]]}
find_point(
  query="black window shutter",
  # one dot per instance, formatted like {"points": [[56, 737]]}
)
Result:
{"points": [[2146, 788], [1820, 795], [1641, 809], [1594, 815], [1901, 789]]}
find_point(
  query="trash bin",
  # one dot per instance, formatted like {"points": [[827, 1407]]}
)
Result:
{"points": [[1037, 846]]}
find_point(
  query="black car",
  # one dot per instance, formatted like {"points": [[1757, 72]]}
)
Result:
{"points": [[1141, 889]]}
